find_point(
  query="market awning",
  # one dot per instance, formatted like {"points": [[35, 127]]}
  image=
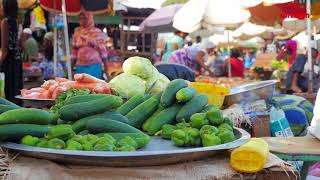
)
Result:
{"points": [[99, 19]]}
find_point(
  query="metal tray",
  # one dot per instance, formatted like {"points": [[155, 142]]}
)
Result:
{"points": [[38, 103], [250, 92], [157, 152]]}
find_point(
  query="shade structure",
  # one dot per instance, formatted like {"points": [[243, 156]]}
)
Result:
{"points": [[161, 20], [248, 30], [224, 39], [197, 14], [254, 42], [171, 2], [73, 7], [298, 24]]}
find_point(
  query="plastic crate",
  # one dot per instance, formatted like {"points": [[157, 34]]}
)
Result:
{"points": [[215, 93]]}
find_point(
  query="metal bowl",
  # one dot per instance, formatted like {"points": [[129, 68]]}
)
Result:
{"points": [[250, 92], [157, 152]]}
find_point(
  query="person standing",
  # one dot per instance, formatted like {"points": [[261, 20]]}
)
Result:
{"points": [[174, 42], [10, 58], [89, 47]]}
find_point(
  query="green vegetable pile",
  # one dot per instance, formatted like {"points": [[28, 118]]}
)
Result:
{"points": [[59, 102]]}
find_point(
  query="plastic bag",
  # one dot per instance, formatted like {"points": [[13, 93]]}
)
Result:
{"points": [[314, 129], [279, 124]]}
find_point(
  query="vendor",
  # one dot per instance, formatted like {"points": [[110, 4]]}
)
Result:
{"points": [[194, 57], [176, 71], [29, 45], [88, 47], [297, 81], [10, 55], [174, 42], [236, 64], [289, 52]]}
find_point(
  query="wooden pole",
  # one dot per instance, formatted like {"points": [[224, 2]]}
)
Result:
{"points": [[66, 39]]}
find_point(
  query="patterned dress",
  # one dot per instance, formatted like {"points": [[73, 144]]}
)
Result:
{"points": [[12, 65]]}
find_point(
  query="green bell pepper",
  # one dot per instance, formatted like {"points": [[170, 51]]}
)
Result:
{"points": [[226, 136], [167, 130], [179, 137], [198, 120], [208, 129], [210, 140], [56, 143], [73, 145], [29, 140], [127, 140], [63, 132]]}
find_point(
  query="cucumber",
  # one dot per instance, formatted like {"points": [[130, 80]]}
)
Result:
{"points": [[209, 107], [14, 132], [140, 138], [131, 104], [27, 116], [185, 94], [73, 112], [84, 132], [195, 105], [166, 116], [84, 98], [5, 108], [142, 112], [147, 122], [102, 125], [81, 124], [6, 102], [169, 94]]}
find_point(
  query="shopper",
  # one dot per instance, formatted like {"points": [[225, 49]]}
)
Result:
{"points": [[174, 42], [10, 56], [29, 46], [235, 63], [89, 47], [194, 57]]}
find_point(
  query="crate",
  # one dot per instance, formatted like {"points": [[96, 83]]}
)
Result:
{"points": [[260, 127]]}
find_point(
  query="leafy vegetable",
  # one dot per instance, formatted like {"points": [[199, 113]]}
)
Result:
{"points": [[59, 102], [127, 85], [139, 66]]}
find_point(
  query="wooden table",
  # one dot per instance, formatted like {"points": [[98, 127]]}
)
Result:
{"points": [[305, 149]]}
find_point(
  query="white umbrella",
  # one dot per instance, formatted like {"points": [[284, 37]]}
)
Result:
{"points": [[298, 24], [248, 30], [220, 39]]}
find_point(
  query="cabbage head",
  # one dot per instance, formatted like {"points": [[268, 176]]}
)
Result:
{"points": [[160, 84], [138, 66], [127, 85]]}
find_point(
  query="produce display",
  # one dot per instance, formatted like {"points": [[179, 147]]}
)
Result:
{"points": [[138, 104], [224, 81], [51, 89]]}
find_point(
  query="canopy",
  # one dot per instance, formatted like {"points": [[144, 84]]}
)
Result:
{"points": [[298, 24], [224, 39], [248, 30], [161, 19], [171, 2], [252, 43]]}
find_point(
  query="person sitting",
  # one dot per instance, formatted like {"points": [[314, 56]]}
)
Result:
{"points": [[29, 45], [235, 63], [297, 81], [176, 71], [194, 57]]}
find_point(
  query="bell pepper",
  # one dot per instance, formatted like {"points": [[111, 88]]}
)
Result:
{"points": [[127, 140], [179, 137], [104, 140], [87, 146], [89, 138], [228, 121], [208, 129], [108, 136], [225, 126], [167, 130], [43, 143], [56, 143], [226, 136], [77, 138], [215, 117], [198, 120], [193, 137], [63, 132], [182, 125], [29, 140], [73, 145], [125, 147], [210, 140], [104, 147]]}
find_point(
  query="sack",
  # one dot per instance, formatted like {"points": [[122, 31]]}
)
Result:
{"points": [[279, 124], [2, 93]]}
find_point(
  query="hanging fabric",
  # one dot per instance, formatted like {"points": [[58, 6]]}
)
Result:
{"points": [[38, 20]]}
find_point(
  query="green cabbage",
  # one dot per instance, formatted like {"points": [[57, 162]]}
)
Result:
{"points": [[127, 85], [161, 82], [139, 66]]}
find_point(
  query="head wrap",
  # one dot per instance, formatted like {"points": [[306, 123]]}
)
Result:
{"points": [[89, 18]]}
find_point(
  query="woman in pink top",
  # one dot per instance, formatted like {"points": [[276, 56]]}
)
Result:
{"points": [[88, 47]]}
